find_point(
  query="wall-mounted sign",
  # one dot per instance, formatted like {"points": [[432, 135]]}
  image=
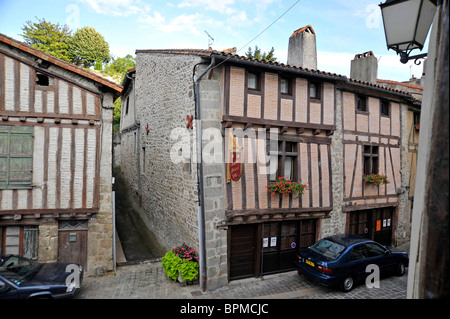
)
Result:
{"points": [[235, 167], [273, 241], [234, 159], [378, 225], [265, 242], [72, 237], [293, 245]]}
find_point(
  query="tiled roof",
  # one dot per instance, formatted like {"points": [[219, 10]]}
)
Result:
{"points": [[408, 85], [61, 63], [306, 28], [236, 58]]}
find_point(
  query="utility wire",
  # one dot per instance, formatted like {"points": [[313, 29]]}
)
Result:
{"points": [[260, 32]]}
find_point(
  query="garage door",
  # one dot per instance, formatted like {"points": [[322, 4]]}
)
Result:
{"points": [[242, 251]]}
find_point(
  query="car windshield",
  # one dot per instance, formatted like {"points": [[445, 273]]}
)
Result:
{"points": [[328, 248], [17, 269]]}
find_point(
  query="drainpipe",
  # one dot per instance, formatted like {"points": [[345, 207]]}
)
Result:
{"points": [[200, 207]]}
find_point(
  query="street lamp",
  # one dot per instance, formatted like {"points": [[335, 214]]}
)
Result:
{"points": [[406, 25]]}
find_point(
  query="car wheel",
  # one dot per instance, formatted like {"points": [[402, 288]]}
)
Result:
{"points": [[401, 269], [347, 284]]}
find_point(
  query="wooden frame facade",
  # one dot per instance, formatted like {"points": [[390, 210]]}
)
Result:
{"points": [[308, 123], [67, 109]]}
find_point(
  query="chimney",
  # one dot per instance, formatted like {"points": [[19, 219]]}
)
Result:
{"points": [[302, 48], [364, 67]]}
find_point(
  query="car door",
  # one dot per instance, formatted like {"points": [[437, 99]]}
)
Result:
{"points": [[377, 255], [358, 261], [7, 291]]}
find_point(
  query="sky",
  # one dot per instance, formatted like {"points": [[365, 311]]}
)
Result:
{"points": [[343, 28]]}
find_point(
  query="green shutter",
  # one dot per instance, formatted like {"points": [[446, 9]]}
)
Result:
{"points": [[16, 156]]}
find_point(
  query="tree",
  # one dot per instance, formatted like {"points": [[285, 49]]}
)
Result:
{"points": [[118, 67], [257, 54], [88, 47], [48, 37]]}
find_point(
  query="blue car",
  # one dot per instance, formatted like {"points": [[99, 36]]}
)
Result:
{"points": [[23, 278], [342, 260]]}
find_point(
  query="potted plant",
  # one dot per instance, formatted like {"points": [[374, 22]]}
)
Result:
{"points": [[181, 263], [376, 179], [283, 186]]}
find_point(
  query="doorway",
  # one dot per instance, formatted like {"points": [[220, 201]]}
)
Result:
{"points": [[243, 251], [375, 224], [72, 242], [281, 242], [265, 248]]}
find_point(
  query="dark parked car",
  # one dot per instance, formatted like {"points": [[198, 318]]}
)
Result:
{"points": [[25, 278], [341, 261]]}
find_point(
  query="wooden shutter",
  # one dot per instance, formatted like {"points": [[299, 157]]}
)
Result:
{"points": [[16, 157]]}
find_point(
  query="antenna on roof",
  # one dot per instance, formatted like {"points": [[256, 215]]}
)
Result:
{"points": [[210, 40]]}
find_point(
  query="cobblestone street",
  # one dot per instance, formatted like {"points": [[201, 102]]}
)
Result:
{"points": [[148, 281]]}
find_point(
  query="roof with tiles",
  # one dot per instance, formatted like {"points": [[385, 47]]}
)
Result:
{"points": [[230, 54], [60, 63]]}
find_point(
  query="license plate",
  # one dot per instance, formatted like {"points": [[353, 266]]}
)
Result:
{"points": [[309, 262]]}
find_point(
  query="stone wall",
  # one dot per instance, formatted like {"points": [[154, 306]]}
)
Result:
{"points": [[335, 224], [214, 179], [164, 98], [100, 230]]}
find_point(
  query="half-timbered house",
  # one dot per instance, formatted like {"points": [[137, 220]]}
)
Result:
{"points": [[260, 121], [55, 159]]}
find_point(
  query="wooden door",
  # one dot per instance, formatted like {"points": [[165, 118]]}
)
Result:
{"points": [[72, 243], [383, 225], [242, 251]]}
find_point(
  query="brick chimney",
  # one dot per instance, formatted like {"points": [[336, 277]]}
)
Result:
{"points": [[364, 67], [302, 48]]}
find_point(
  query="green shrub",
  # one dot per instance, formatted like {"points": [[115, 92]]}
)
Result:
{"points": [[171, 263], [181, 260], [188, 269]]}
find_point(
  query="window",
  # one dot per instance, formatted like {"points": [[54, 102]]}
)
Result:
{"points": [[361, 103], [314, 90], [127, 105], [253, 81], [282, 162], [384, 108], [328, 248], [358, 253], [370, 159], [285, 86], [43, 79], [16, 157], [375, 250], [19, 240]]}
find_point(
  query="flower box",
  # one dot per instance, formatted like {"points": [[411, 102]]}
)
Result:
{"points": [[285, 187], [376, 179]]}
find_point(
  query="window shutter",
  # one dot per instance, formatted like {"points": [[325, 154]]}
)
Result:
{"points": [[16, 156]]}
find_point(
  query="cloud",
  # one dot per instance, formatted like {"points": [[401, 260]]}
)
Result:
{"points": [[117, 8], [223, 6]]}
